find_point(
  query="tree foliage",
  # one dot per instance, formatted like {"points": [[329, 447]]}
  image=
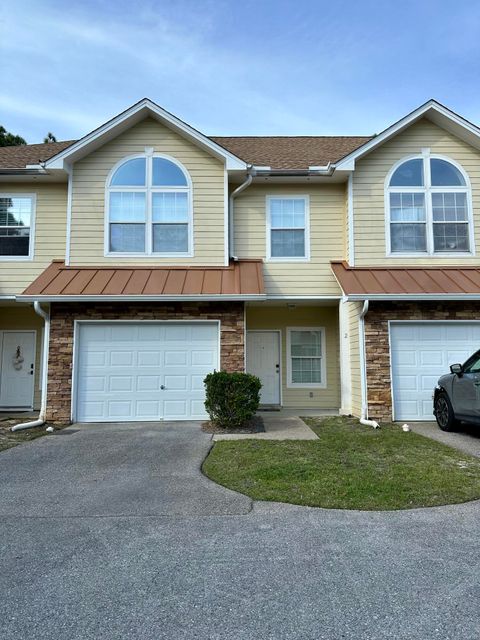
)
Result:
{"points": [[49, 138], [8, 139]]}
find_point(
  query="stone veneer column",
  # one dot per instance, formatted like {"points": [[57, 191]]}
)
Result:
{"points": [[63, 315]]}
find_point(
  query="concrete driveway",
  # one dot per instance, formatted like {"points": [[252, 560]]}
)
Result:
{"points": [[466, 437], [112, 533]]}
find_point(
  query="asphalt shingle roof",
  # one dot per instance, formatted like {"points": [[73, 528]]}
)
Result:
{"points": [[277, 152]]}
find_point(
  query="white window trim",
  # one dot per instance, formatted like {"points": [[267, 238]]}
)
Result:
{"points": [[288, 196], [323, 363], [31, 245], [148, 253], [428, 190]]}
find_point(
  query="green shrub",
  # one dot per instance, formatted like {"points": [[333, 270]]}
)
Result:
{"points": [[231, 398]]}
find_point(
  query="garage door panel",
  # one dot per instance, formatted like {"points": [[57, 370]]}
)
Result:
{"points": [[405, 357], [149, 358], [147, 409], [173, 358], [120, 370], [120, 383], [432, 358], [421, 353]]}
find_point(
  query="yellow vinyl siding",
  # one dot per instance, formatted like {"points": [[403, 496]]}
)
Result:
{"points": [[327, 238], [50, 225], [88, 202], [23, 318], [279, 318], [354, 309], [369, 183]]}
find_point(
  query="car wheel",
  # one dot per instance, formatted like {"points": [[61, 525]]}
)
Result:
{"points": [[444, 412]]}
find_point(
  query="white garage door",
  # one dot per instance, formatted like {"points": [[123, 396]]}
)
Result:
{"points": [[129, 371], [421, 352]]}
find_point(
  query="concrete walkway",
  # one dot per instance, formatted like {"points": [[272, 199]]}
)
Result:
{"points": [[276, 428], [466, 438]]}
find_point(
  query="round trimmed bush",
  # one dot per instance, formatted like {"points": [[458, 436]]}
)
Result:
{"points": [[231, 398]]}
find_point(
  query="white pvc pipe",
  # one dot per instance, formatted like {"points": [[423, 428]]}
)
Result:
{"points": [[363, 370], [44, 373]]}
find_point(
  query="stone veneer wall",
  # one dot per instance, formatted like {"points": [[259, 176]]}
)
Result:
{"points": [[377, 345], [59, 390]]}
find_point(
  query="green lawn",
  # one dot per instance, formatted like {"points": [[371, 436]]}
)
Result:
{"points": [[350, 467]]}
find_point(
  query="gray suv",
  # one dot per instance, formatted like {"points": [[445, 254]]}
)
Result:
{"points": [[457, 395]]}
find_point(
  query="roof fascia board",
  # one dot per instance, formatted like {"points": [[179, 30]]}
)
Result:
{"points": [[420, 297], [135, 113], [140, 298], [348, 162]]}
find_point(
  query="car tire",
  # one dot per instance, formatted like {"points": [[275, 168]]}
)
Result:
{"points": [[444, 412]]}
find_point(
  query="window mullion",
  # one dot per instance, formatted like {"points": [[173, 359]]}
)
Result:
{"points": [[428, 203], [148, 217]]}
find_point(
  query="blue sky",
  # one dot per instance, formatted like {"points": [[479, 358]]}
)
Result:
{"points": [[236, 67]]}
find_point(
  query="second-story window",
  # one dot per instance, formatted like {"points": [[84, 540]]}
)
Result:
{"points": [[288, 228], [150, 208], [16, 226], [429, 212]]}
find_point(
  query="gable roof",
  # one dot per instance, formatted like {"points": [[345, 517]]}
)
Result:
{"points": [[136, 113], [275, 152], [437, 113]]}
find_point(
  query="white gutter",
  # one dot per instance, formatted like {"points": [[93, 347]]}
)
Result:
{"points": [[414, 297], [144, 298], [363, 369], [46, 339], [233, 195]]}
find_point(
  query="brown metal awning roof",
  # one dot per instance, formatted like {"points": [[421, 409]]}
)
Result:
{"points": [[391, 283], [241, 280]]}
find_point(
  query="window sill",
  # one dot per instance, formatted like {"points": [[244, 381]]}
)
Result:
{"points": [[440, 254], [298, 385], [304, 259], [121, 254], [16, 258]]}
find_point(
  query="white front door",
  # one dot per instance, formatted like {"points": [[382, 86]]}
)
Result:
{"points": [[127, 371], [17, 372], [263, 361], [421, 352]]}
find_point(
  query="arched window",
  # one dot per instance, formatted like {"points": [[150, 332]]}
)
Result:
{"points": [[429, 207], [149, 207]]}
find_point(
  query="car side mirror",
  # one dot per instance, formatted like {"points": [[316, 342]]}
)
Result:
{"points": [[456, 368]]}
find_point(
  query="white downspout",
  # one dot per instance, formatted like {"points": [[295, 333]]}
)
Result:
{"points": [[363, 369], [233, 195], [46, 339]]}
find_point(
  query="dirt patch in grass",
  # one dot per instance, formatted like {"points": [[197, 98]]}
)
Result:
{"points": [[350, 466], [9, 439], [255, 425]]}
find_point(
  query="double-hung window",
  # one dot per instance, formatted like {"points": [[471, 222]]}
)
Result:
{"points": [[429, 212], [288, 228], [306, 357], [150, 208], [16, 226]]}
